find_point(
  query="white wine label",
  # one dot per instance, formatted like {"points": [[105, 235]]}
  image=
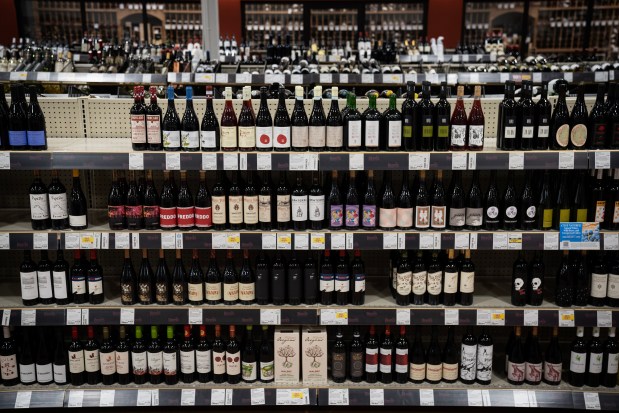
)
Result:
{"points": [[203, 361], [247, 291], [385, 360], [484, 362], [613, 286], [58, 206], [543, 131], [458, 135], [595, 363], [219, 363], [515, 371], [422, 218], [474, 217], [468, 363], [60, 284], [155, 362], [27, 373], [153, 129], [317, 136], [434, 372], [188, 362], [172, 139], [434, 282], [264, 136], [45, 284], [281, 136], [283, 208], [213, 291], [60, 373], [39, 208], [208, 139], [420, 282], [108, 363], [219, 209], [77, 220], [264, 208], [527, 132], [233, 363], [300, 137], [552, 372], [451, 282], [562, 135], [299, 208], [122, 362], [335, 136], [190, 139], [394, 134], [45, 373], [372, 130], [354, 134], [403, 283], [417, 372], [236, 209], [231, 292], [599, 283], [467, 282], [139, 363], [578, 135], [316, 208], [401, 360], [578, 362], [267, 370], [250, 209], [342, 284], [476, 135], [439, 216], [195, 292], [91, 360], [613, 363], [247, 136], [450, 371], [169, 364], [249, 370], [227, 135], [138, 128], [76, 361], [404, 217], [457, 217], [29, 289]]}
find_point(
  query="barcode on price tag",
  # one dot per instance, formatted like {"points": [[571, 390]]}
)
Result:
{"points": [[257, 397], [188, 397], [592, 401], [426, 397], [566, 318], [338, 397], [270, 317], [127, 316], [377, 397]]}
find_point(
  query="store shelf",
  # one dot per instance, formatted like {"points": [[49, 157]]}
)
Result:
{"points": [[83, 78], [447, 58]]}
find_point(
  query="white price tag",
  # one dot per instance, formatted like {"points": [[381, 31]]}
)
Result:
{"points": [[461, 241], [209, 161], [410, 77], [71, 241], [168, 241], [592, 401], [419, 161], [292, 397], [243, 78], [473, 242], [432, 78], [173, 161], [5, 242], [426, 397], [188, 397], [611, 242], [5, 160], [392, 78], [472, 161], [144, 398], [301, 241], [194, 316], [516, 160], [270, 316], [367, 78], [263, 161], [242, 161], [569, 76], [40, 241], [605, 318], [355, 162], [484, 317], [426, 241], [154, 397], [88, 241], [566, 318], [338, 241], [257, 396], [332, 317], [474, 398], [6, 317], [274, 78], [127, 316], [231, 161], [566, 160], [497, 317], [28, 318], [503, 77], [219, 77], [296, 79], [105, 240], [499, 241], [135, 241], [452, 317], [601, 77], [377, 397], [233, 240], [85, 316], [179, 241], [403, 317], [76, 398], [458, 161], [22, 401], [532, 398], [121, 241], [390, 241], [229, 397], [602, 160], [326, 78], [298, 162], [514, 241], [269, 241], [284, 241], [485, 396], [350, 241], [551, 241], [401, 240], [317, 241], [338, 397], [537, 77], [136, 161], [474, 78], [343, 78], [220, 241], [106, 398], [218, 397], [531, 317], [74, 317]]}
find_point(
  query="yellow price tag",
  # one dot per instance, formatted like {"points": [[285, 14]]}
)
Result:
{"points": [[297, 395], [234, 239], [567, 317], [318, 240], [526, 77], [88, 239], [341, 314], [284, 239], [498, 316]]}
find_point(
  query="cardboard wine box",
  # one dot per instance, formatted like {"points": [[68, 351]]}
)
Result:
{"points": [[287, 360], [314, 350]]}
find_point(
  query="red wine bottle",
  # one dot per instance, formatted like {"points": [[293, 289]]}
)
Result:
{"points": [[171, 125], [543, 110], [154, 356], [578, 359], [595, 355], [107, 358], [230, 281], [357, 280], [560, 120], [250, 204], [299, 204], [195, 281], [264, 124], [351, 208], [368, 218], [434, 362], [294, 281], [458, 141], [116, 205], [203, 353], [467, 280], [335, 124], [76, 359], [327, 279], [179, 281], [526, 118], [338, 358], [247, 283], [185, 208], [468, 363], [356, 356], [283, 203], [509, 211], [353, 134], [17, 119], [610, 360], [233, 357], [335, 205], [58, 203], [491, 205], [249, 360], [598, 122], [422, 204], [162, 281], [371, 125], [122, 358], [535, 288], [267, 356], [138, 120], [310, 280], [553, 360], [170, 355], [78, 211], [507, 128], [265, 202], [409, 117], [281, 124], [219, 357], [92, 357], [128, 282], [579, 119], [151, 204], [134, 205], [247, 123], [371, 357], [203, 208], [476, 123], [404, 212], [451, 358], [153, 122], [401, 357], [386, 357], [95, 280], [213, 281], [299, 122], [387, 213], [228, 130], [78, 280], [317, 123]]}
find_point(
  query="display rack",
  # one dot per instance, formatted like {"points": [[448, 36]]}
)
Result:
{"points": [[395, 21]]}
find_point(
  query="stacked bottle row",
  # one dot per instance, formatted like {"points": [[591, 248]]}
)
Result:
{"points": [[422, 125], [22, 125]]}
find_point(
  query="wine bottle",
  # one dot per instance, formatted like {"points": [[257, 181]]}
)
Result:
{"points": [[316, 204], [491, 205], [474, 205], [459, 122], [219, 357], [250, 204], [467, 280], [76, 359], [468, 361], [162, 281], [107, 358], [335, 124], [392, 129], [283, 203], [233, 357], [121, 355], [338, 358], [612, 299], [476, 123], [138, 120], [371, 356], [299, 205], [553, 360], [386, 357], [599, 282], [195, 281], [235, 203], [171, 125], [212, 281], [155, 357], [404, 280], [115, 205], [327, 280], [58, 203], [357, 280], [535, 288], [151, 204], [17, 119], [417, 359], [439, 207], [153, 122], [170, 362], [95, 280], [519, 281], [542, 119], [267, 357], [610, 360], [128, 282], [425, 128], [317, 123], [613, 119], [434, 361], [560, 120], [44, 279], [187, 355], [371, 125], [247, 284], [595, 355], [507, 128], [228, 129], [140, 358], [249, 363], [597, 212], [230, 281], [203, 354], [36, 134], [564, 290], [526, 118], [578, 359], [342, 280], [545, 209], [262, 280], [419, 280], [404, 211], [422, 204], [4, 122], [247, 123], [78, 211], [91, 358], [598, 122], [409, 117], [353, 134], [134, 209], [352, 205], [185, 209], [533, 359], [401, 357], [388, 213], [335, 205], [450, 280], [516, 361], [299, 122], [435, 280], [578, 121], [612, 218], [218, 200], [264, 124], [450, 358], [179, 281], [355, 357], [582, 286], [510, 213], [78, 280], [278, 280], [457, 203], [281, 124], [28, 280], [43, 360], [528, 215], [294, 280]]}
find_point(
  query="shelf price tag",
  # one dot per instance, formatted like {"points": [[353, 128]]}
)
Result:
{"points": [[426, 397], [127, 316], [269, 241], [231, 162], [403, 317], [173, 161], [106, 398], [338, 241], [566, 318], [301, 241], [242, 162], [356, 162], [343, 78], [401, 240], [22, 401], [393, 78], [566, 160], [136, 161], [291, 397], [144, 398], [605, 318], [473, 242], [472, 161], [514, 241], [426, 241], [257, 396], [154, 397], [462, 241], [296, 79], [76, 398], [229, 397], [194, 316], [284, 241], [474, 398], [270, 316], [531, 317], [188, 397], [5, 243], [367, 78], [6, 317], [233, 240], [332, 317], [497, 317], [88, 241], [28, 318], [551, 241], [377, 397], [209, 161], [218, 397], [452, 317], [74, 317], [338, 397], [317, 241], [484, 317], [516, 160], [85, 316], [121, 241], [499, 241], [220, 241], [390, 241], [592, 401], [458, 161], [168, 241], [611, 242], [532, 398], [326, 78], [135, 241], [71, 241], [602, 160], [5, 161], [263, 161], [105, 240], [418, 161]]}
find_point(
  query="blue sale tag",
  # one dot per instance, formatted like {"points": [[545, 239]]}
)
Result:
{"points": [[579, 236]]}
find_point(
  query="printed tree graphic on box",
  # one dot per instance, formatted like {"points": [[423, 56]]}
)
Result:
{"points": [[314, 352], [286, 352]]}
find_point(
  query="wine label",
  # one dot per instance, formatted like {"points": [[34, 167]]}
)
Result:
{"points": [[578, 362], [552, 372], [186, 217], [122, 362], [371, 360], [204, 218], [264, 208], [613, 286], [44, 279], [76, 361], [458, 135], [213, 291], [316, 207], [78, 285], [172, 138], [492, 212], [29, 289], [167, 217], [203, 361], [467, 282], [543, 131], [401, 360], [457, 217], [387, 218], [474, 217], [434, 372], [613, 363], [438, 216], [595, 363], [599, 283], [578, 135], [335, 136], [18, 138], [533, 372], [434, 282], [247, 291], [8, 367], [39, 208], [547, 218], [484, 362], [233, 363], [27, 373], [476, 135], [299, 208], [404, 217], [515, 371], [188, 361], [250, 209], [139, 363], [35, 137], [385, 362], [228, 136], [195, 292], [450, 371], [342, 283], [281, 136], [372, 130], [616, 213], [264, 136], [338, 365], [403, 282], [317, 136], [108, 363], [91, 360], [369, 216], [352, 215], [283, 208], [443, 127], [468, 362], [60, 374], [427, 128], [600, 209], [327, 282], [511, 212], [528, 127], [420, 282], [151, 215], [249, 370], [422, 217], [138, 128], [300, 137], [153, 129], [407, 128], [354, 134], [231, 292], [394, 134], [451, 283], [155, 363], [417, 372], [235, 204], [219, 210], [510, 127], [359, 283], [356, 364], [247, 136], [267, 370], [190, 139], [58, 206], [562, 135], [530, 212], [169, 364], [336, 215], [95, 286], [219, 362]]}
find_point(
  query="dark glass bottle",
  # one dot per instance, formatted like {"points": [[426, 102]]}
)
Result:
{"points": [[610, 360], [353, 135], [233, 357], [78, 280], [476, 123], [43, 360], [294, 281], [387, 214], [250, 204], [386, 357], [467, 279], [249, 360], [187, 355], [203, 354], [342, 280], [316, 204], [599, 281], [95, 280], [310, 281], [519, 281], [138, 120], [451, 358], [564, 291], [392, 127], [267, 357], [459, 121], [78, 211], [195, 281], [262, 281], [17, 119], [58, 203], [247, 123], [162, 281], [528, 205], [4, 121], [371, 356], [170, 358], [39, 205], [228, 129], [533, 359], [230, 281], [425, 129], [535, 285], [542, 119], [179, 281], [357, 280], [580, 207], [317, 123], [264, 124], [516, 360], [545, 209], [435, 280], [218, 201], [151, 204], [335, 124], [92, 357], [371, 126], [578, 359], [510, 213], [139, 358], [491, 206], [134, 209], [128, 282], [403, 281], [355, 357], [352, 205], [560, 120], [61, 280], [115, 205], [368, 218], [108, 358], [582, 286], [171, 125], [278, 280], [457, 203], [122, 364], [153, 123], [526, 117], [247, 284], [36, 134], [209, 133], [44, 279], [405, 205], [450, 280], [595, 355], [507, 128], [419, 280], [60, 362], [439, 205], [327, 280], [212, 281], [338, 358], [283, 203], [235, 203], [154, 357], [434, 359], [281, 124], [265, 203], [468, 354], [299, 123], [579, 119], [335, 205], [76, 359], [409, 117], [422, 204], [299, 204], [219, 357], [553, 360], [417, 359], [598, 122]]}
